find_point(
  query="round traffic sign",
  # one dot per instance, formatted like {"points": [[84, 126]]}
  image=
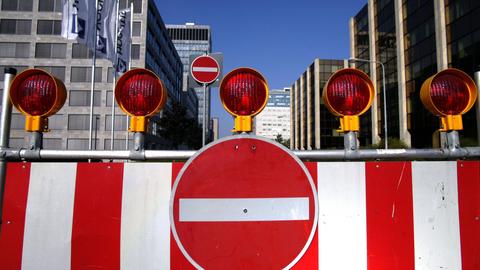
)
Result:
{"points": [[243, 202], [205, 69]]}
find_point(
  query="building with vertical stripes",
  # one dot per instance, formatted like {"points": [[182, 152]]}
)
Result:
{"points": [[30, 37], [312, 125], [414, 39], [275, 118]]}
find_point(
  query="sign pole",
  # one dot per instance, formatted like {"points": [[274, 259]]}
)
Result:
{"points": [[204, 128]]}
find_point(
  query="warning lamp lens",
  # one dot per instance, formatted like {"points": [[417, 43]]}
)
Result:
{"points": [[141, 94], [348, 94], [450, 94], [36, 94], [244, 93]]}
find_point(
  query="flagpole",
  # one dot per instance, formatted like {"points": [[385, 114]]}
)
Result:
{"points": [[114, 79], [129, 67], [92, 89]]}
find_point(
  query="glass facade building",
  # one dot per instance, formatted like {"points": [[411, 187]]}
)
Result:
{"points": [[190, 40], [312, 125], [30, 37], [408, 37]]}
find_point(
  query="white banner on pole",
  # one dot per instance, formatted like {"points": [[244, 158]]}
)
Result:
{"points": [[78, 20], [81, 19], [123, 41]]}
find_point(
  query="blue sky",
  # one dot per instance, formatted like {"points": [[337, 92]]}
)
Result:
{"points": [[278, 38]]}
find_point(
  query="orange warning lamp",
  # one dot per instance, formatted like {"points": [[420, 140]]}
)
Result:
{"points": [[348, 93], [37, 94], [449, 94], [244, 94], [140, 94]]}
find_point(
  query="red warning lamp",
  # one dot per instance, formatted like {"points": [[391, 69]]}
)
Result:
{"points": [[348, 93], [449, 94], [140, 94], [244, 94], [37, 94]]}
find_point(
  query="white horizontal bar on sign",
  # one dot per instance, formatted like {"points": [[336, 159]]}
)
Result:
{"points": [[251, 209], [205, 69]]}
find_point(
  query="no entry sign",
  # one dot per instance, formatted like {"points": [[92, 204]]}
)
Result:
{"points": [[243, 203], [205, 69]]}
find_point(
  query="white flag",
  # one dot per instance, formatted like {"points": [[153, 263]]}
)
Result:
{"points": [[78, 20], [81, 19], [123, 41], [105, 26]]}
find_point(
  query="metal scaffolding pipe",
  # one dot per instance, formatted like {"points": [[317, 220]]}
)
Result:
{"points": [[313, 155]]}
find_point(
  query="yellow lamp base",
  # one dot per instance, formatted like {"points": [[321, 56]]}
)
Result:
{"points": [[36, 124], [349, 123], [451, 122], [243, 124], [138, 124]]}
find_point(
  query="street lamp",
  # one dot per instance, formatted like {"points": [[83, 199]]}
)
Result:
{"points": [[385, 127]]}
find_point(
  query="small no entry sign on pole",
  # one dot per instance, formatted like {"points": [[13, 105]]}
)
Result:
{"points": [[205, 69], [243, 202]]}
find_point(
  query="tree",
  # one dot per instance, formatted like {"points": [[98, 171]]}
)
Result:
{"points": [[279, 138], [177, 128]]}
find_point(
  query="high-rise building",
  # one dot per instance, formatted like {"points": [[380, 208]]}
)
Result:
{"points": [[312, 125], [414, 39], [30, 37], [215, 128], [191, 39], [275, 117]]}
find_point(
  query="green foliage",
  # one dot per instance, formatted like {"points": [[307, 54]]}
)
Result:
{"points": [[393, 143], [177, 128], [281, 140]]}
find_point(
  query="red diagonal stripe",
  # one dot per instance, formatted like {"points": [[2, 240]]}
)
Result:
{"points": [[96, 216], [390, 242], [13, 218], [469, 211]]}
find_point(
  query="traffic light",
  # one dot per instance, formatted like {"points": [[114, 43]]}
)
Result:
{"points": [[140, 94], [348, 93], [449, 94], [244, 94], [37, 94]]}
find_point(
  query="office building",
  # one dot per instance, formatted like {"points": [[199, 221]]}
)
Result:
{"points": [[312, 125], [414, 40], [215, 128], [191, 39], [30, 37], [275, 118]]}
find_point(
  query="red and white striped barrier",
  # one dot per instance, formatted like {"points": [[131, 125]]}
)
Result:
{"points": [[372, 215]]}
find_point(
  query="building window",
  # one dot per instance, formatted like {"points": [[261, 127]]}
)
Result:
{"points": [[49, 27], [18, 121], [82, 98], [17, 5], [52, 143], [50, 5], [16, 142], [81, 121], [56, 122], [58, 72], [137, 29], [80, 144], [118, 144], [15, 27], [84, 74], [80, 51], [14, 50], [120, 123], [18, 68], [51, 50], [137, 5], [135, 52]]}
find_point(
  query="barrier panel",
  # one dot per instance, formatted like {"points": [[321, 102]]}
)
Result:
{"points": [[372, 215]]}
